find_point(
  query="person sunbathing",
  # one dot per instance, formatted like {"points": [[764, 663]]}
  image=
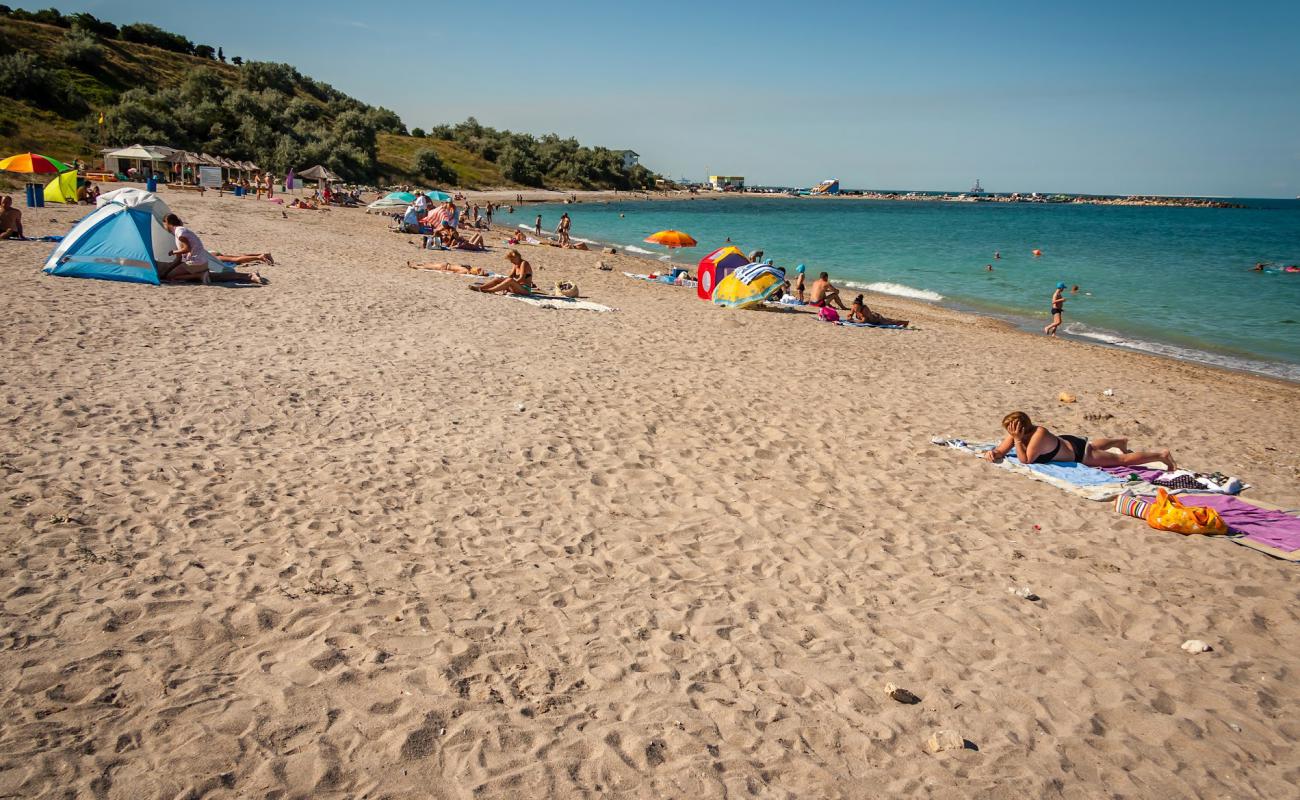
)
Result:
{"points": [[244, 258], [454, 241], [1035, 444], [307, 204], [519, 281], [459, 269], [860, 312]]}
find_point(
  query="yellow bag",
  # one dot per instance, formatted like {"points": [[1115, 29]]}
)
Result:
{"points": [[1169, 514]]}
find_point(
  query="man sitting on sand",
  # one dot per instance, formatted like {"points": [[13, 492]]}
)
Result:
{"points": [[861, 313], [442, 266], [822, 293], [454, 241], [519, 281], [1035, 444], [11, 219]]}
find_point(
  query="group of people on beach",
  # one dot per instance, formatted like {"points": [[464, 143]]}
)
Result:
{"points": [[192, 263]]}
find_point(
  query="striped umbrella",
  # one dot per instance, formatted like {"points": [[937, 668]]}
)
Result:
{"points": [[33, 163], [671, 239]]}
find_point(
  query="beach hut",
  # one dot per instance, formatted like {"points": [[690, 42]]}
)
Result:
{"points": [[116, 242], [122, 157]]}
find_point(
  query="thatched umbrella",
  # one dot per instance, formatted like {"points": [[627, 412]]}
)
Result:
{"points": [[321, 175]]}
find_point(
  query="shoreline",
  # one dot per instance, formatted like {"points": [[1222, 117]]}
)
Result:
{"points": [[1229, 362], [543, 196]]}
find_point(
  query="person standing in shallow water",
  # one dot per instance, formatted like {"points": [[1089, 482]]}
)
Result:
{"points": [[1058, 308], [537, 226]]}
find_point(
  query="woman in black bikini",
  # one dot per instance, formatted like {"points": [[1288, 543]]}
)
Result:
{"points": [[1035, 444]]}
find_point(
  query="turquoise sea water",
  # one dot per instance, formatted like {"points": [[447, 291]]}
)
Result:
{"points": [[1174, 281]]}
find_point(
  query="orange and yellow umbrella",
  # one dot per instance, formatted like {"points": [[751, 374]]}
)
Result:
{"points": [[671, 239], [32, 163]]}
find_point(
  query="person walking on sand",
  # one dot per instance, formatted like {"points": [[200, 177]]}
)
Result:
{"points": [[1058, 309], [563, 229], [537, 226], [822, 293]]}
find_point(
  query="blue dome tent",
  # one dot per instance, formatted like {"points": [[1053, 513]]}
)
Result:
{"points": [[117, 242]]}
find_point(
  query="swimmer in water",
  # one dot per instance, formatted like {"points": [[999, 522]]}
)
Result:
{"points": [[997, 255], [988, 267], [1074, 289]]}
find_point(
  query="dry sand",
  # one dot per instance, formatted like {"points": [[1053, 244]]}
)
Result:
{"points": [[364, 533]]}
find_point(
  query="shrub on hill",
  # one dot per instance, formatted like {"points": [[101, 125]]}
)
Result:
{"points": [[535, 161], [25, 76], [152, 35], [80, 49], [429, 165]]}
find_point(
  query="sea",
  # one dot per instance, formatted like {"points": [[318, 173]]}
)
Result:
{"points": [[1173, 281]]}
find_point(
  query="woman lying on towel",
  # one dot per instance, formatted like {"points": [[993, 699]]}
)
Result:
{"points": [[519, 281], [235, 259], [861, 313], [459, 269], [1035, 444]]}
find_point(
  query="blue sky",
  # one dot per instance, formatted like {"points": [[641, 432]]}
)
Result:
{"points": [[1143, 97]]}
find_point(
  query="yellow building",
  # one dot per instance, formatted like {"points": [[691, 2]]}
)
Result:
{"points": [[722, 182]]}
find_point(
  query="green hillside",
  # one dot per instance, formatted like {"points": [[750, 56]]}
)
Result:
{"points": [[59, 73]]}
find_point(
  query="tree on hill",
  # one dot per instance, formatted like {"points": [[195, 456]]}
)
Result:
{"points": [[430, 165], [80, 48], [152, 35], [221, 55], [204, 51]]}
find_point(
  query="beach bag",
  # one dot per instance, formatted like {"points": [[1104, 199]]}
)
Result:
{"points": [[1169, 514], [566, 289], [828, 314]]}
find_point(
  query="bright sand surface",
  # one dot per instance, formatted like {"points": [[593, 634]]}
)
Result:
{"points": [[364, 533]]}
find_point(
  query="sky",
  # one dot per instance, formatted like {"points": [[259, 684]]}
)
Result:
{"points": [[1148, 97]]}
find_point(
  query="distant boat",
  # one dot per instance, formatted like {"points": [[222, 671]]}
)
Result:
{"points": [[976, 189]]}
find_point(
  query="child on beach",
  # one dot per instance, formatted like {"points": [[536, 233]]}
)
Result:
{"points": [[1058, 308]]}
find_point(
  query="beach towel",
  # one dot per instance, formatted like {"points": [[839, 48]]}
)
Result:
{"points": [[664, 279], [1201, 483], [1086, 482], [846, 324], [751, 272], [1268, 530], [559, 303]]}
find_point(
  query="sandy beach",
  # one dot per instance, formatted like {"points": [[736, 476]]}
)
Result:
{"points": [[365, 533]]}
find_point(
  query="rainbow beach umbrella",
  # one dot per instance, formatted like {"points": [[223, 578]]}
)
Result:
{"points": [[33, 163], [671, 239]]}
